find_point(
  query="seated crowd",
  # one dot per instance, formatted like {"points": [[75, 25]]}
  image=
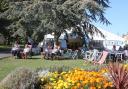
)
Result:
{"points": [[50, 50], [121, 53], [113, 55], [19, 52]]}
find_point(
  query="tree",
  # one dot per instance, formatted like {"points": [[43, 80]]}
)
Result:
{"points": [[4, 22], [3, 5], [45, 16]]}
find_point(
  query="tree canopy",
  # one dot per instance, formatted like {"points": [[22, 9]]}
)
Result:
{"points": [[35, 18]]}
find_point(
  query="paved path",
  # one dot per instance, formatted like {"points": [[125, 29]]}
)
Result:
{"points": [[2, 55]]}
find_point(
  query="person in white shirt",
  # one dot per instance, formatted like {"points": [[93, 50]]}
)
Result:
{"points": [[26, 50], [56, 50], [47, 50], [126, 52], [15, 49]]}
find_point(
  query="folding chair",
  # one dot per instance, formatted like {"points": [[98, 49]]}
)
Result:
{"points": [[119, 56], [90, 56], [68, 54], [75, 54], [102, 58]]}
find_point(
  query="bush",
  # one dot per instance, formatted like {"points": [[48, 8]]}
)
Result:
{"points": [[25, 78], [43, 73], [21, 78], [59, 69]]}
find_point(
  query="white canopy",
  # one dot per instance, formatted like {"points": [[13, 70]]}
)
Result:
{"points": [[108, 36], [109, 40], [49, 36]]}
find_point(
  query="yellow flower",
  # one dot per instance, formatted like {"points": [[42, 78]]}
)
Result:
{"points": [[63, 73], [52, 79], [98, 80], [99, 86], [79, 78], [42, 79]]}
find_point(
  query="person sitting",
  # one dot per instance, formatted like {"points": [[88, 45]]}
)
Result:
{"points": [[26, 50], [47, 50], [15, 49], [56, 50]]}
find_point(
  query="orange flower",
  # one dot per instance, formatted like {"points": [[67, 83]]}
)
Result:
{"points": [[92, 87], [106, 85], [80, 78], [110, 84], [78, 85], [85, 82], [74, 87]]}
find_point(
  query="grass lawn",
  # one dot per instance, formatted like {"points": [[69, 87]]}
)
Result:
{"points": [[9, 64]]}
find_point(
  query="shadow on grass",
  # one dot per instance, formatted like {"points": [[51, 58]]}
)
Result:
{"points": [[34, 58], [61, 59]]}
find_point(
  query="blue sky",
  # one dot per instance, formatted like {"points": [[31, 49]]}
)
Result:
{"points": [[118, 16]]}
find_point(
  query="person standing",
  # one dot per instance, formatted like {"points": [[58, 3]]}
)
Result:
{"points": [[126, 52], [113, 53]]}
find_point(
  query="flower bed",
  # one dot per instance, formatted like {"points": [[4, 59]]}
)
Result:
{"points": [[112, 76], [76, 79]]}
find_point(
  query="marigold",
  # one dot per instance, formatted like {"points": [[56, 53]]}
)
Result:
{"points": [[92, 87], [77, 78]]}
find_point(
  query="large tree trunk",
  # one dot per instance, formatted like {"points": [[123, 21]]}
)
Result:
{"points": [[56, 37], [7, 41]]}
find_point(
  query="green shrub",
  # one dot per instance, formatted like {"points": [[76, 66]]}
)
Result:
{"points": [[55, 68], [43, 73], [21, 78], [59, 69]]}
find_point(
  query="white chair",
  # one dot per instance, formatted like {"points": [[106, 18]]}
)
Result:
{"points": [[36, 50], [126, 53], [119, 56], [68, 54], [83, 53], [102, 59], [75, 54], [88, 55], [91, 55], [98, 56]]}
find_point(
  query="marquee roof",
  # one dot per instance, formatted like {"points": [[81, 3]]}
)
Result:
{"points": [[108, 36]]}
